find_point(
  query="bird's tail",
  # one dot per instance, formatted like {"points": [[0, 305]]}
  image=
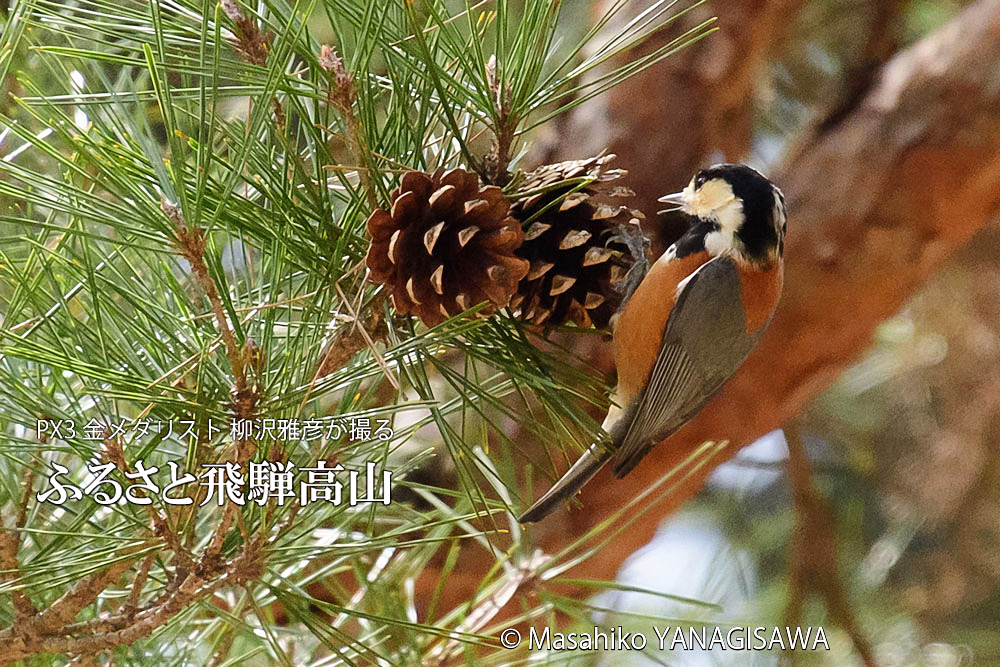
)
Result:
{"points": [[568, 485]]}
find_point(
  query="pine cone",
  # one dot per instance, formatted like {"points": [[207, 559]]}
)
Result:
{"points": [[445, 245], [577, 249]]}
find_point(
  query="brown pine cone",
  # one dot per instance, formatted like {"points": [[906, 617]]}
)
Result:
{"points": [[445, 245], [575, 240]]}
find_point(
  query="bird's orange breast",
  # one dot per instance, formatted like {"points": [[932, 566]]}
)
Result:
{"points": [[760, 293], [639, 330]]}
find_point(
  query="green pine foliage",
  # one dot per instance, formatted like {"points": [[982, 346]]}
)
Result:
{"points": [[184, 187]]}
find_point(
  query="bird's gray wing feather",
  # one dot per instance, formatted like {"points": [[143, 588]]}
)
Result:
{"points": [[704, 343]]}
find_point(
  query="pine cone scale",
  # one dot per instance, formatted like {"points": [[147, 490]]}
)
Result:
{"points": [[538, 269], [505, 240], [596, 255], [418, 183], [437, 280], [574, 238], [442, 201], [593, 300], [431, 236], [465, 235], [406, 206], [536, 230], [560, 284]]}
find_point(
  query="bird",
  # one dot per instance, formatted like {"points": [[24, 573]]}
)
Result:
{"points": [[690, 323]]}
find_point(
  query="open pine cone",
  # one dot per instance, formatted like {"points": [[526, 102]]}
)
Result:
{"points": [[575, 240], [445, 245]]}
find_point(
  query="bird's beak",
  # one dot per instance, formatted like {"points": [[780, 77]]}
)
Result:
{"points": [[676, 199]]}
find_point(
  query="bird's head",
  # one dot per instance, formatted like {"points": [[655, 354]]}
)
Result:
{"points": [[739, 211]]}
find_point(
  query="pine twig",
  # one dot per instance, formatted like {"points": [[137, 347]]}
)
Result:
{"points": [[367, 338], [251, 42], [132, 606], [813, 563], [88, 659], [222, 651], [191, 244], [254, 45], [496, 162], [115, 452], [26, 493], [341, 94], [347, 342]]}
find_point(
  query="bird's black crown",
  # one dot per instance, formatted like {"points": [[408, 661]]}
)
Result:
{"points": [[762, 231]]}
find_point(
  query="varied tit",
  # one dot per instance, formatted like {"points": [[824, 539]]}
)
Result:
{"points": [[691, 322]]}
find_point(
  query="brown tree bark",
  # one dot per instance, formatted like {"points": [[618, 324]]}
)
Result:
{"points": [[877, 201]]}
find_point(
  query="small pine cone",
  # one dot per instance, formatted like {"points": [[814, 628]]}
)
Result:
{"points": [[576, 247], [445, 245]]}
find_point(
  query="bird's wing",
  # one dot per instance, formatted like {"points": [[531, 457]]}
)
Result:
{"points": [[705, 341]]}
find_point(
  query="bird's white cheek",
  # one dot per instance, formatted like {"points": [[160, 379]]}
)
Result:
{"points": [[718, 243], [730, 216]]}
